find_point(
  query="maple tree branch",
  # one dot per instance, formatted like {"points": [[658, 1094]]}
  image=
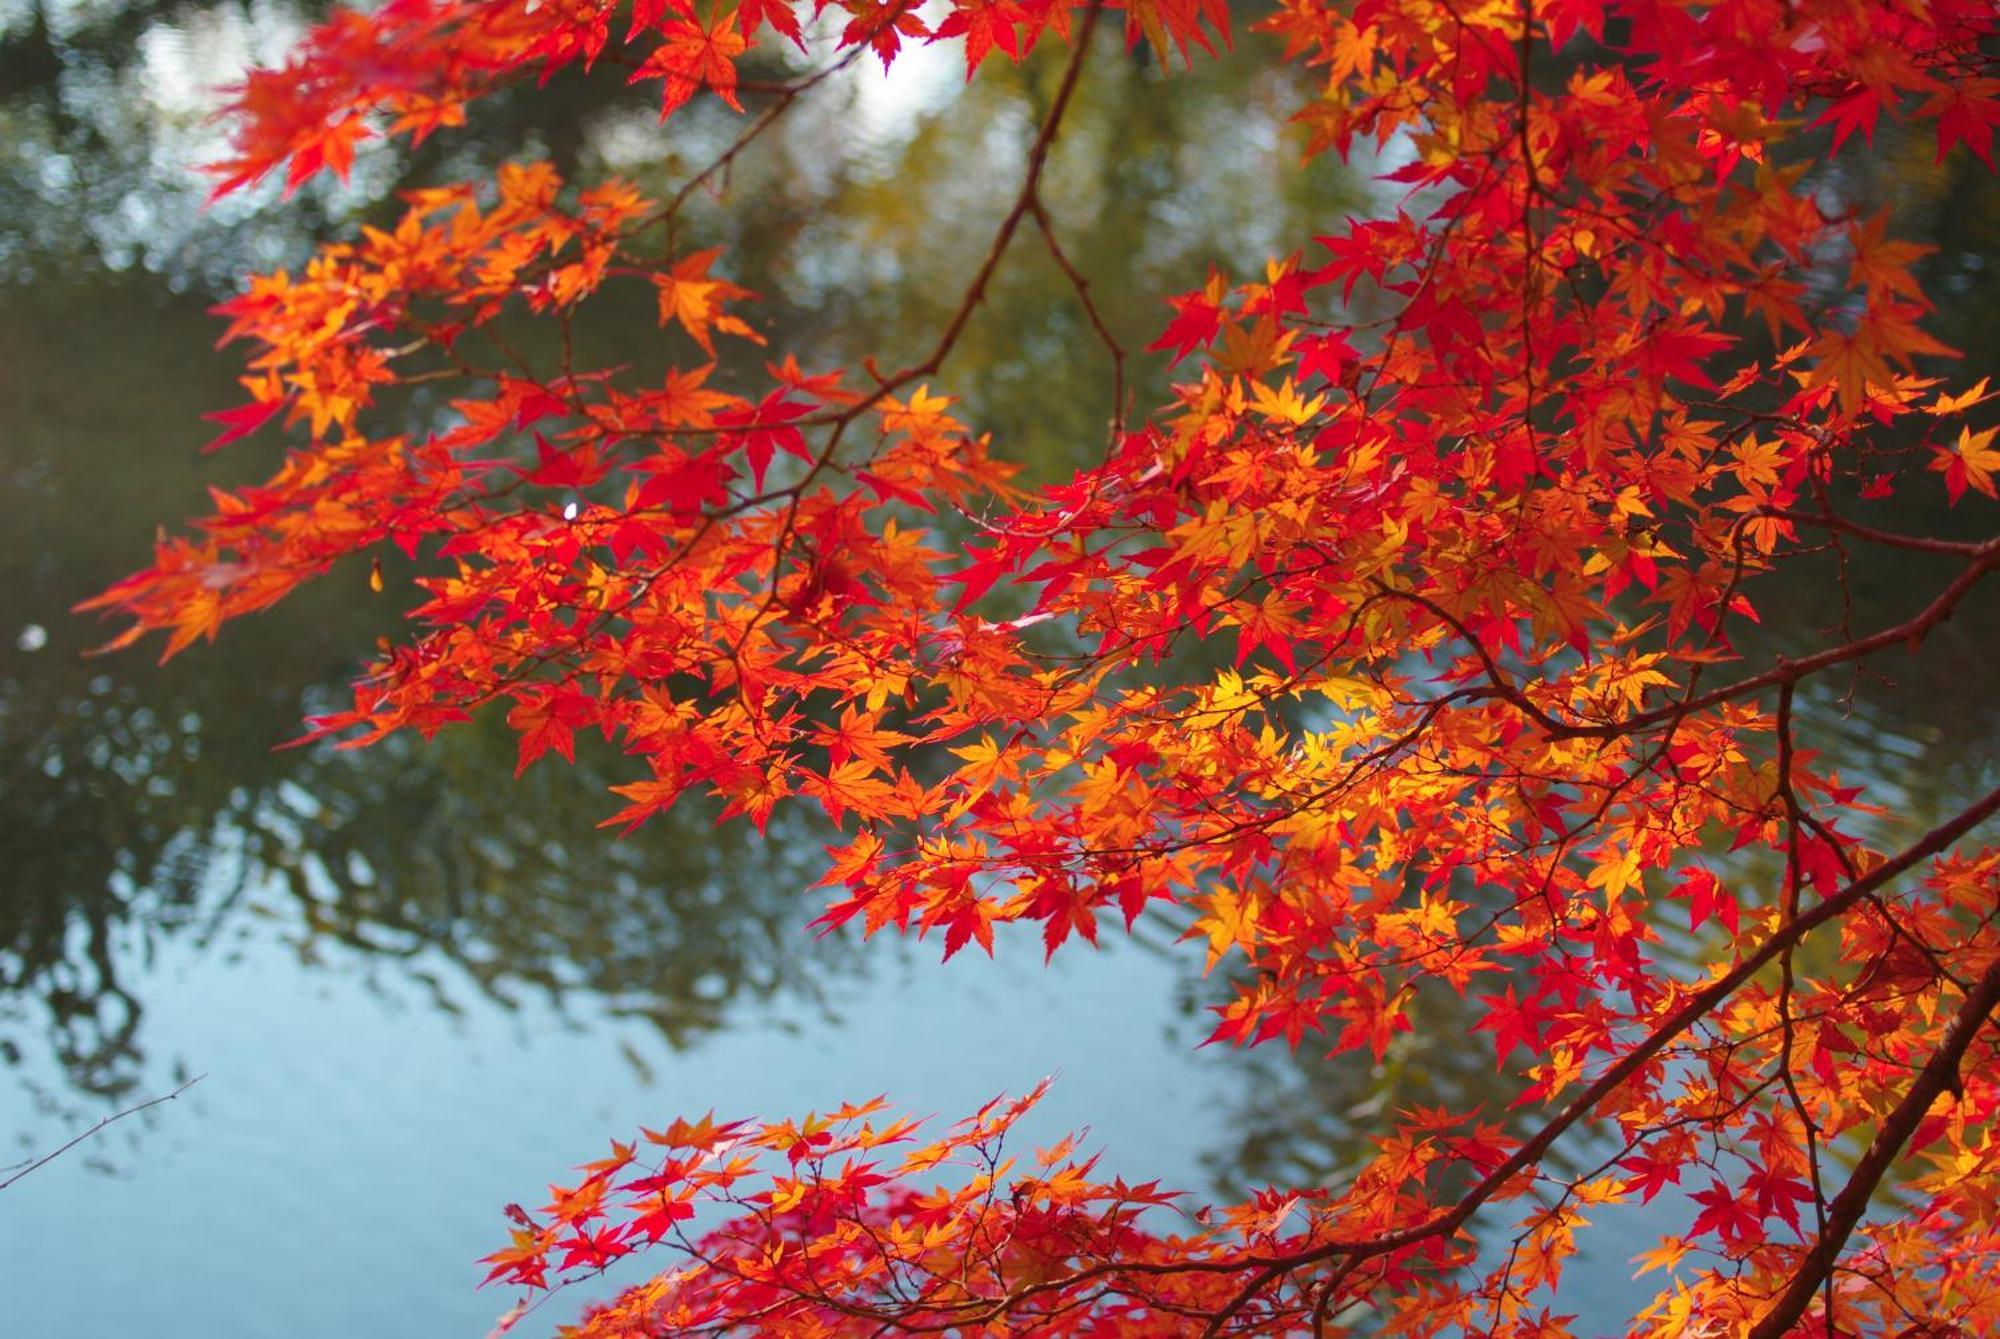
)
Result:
{"points": [[1081, 286], [1844, 575], [787, 94], [1939, 1073], [975, 292], [111, 1119], [1329, 1289], [1985, 557], [1830, 520], [1698, 1006], [1257, 1283], [1027, 199], [1913, 628], [1794, 820]]}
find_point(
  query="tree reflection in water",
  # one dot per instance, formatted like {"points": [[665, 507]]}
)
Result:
{"points": [[148, 805]]}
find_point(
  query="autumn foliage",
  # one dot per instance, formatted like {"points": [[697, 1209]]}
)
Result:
{"points": [[1485, 566]]}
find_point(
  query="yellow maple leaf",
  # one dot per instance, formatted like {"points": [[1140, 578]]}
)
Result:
{"points": [[1958, 404], [1664, 1256], [1231, 921], [1285, 405]]}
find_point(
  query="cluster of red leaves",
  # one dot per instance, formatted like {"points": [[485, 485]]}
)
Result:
{"points": [[1479, 561], [821, 1196]]}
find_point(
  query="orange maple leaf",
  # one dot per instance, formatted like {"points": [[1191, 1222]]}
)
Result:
{"points": [[690, 296]]}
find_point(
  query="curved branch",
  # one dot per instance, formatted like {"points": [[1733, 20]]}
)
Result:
{"points": [[1939, 1073]]}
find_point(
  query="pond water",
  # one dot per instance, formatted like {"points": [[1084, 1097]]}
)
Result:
{"points": [[414, 989]]}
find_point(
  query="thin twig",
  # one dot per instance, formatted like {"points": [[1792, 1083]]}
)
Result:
{"points": [[112, 1119]]}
